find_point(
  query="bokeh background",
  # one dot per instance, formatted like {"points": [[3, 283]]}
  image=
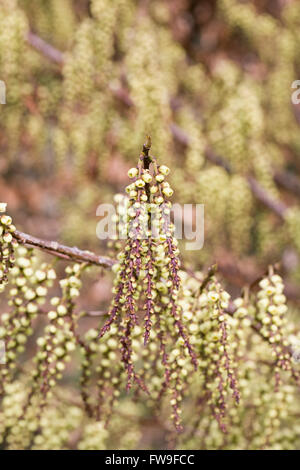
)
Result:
{"points": [[209, 80]]}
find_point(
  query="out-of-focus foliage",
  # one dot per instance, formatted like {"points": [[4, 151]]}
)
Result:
{"points": [[225, 80], [210, 81]]}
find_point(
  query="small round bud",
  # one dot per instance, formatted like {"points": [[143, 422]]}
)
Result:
{"points": [[40, 275], [140, 183], [31, 308], [159, 178], [147, 177], [168, 191], [164, 170], [51, 274], [213, 296], [74, 292], [133, 172], [7, 237], [52, 315], [6, 220], [159, 200], [41, 291], [61, 310], [3, 206]]}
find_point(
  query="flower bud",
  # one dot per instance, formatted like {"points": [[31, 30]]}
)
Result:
{"points": [[164, 170], [3, 206], [140, 183], [133, 172]]}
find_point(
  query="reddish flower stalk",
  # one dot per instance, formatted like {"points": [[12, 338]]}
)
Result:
{"points": [[149, 305], [148, 283]]}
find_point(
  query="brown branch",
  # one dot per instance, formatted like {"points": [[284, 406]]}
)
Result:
{"points": [[62, 251], [179, 134], [285, 180], [46, 49], [259, 192], [210, 273], [288, 181]]}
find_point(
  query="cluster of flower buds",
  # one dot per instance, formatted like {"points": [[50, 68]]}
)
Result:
{"points": [[29, 287], [271, 314], [147, 282], [7, 245], [52, 430], [58, 422], [60, 337], [11, 411], [205, 311], [101, 374], [94, 437]]}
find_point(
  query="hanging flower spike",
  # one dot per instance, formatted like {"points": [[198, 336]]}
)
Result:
{"points": [[29, 287], [147, 269], [206, 309], [60, 337], [271, 314], [7, 245]]}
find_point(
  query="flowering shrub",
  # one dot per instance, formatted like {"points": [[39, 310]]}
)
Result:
{"points": [[179, 353], [172, 344]]}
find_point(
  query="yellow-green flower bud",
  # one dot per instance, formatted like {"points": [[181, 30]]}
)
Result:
{"points": [[61, 310], [133, 172], [3, 206], [164, 170], [140, 183], [159, 178], [147, 177], [6, 220], [168, 191]]}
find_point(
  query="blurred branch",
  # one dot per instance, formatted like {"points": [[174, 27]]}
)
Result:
{"points": [[259, 192], [288, 181], [46, 49], [63, 251], [284, 179]]}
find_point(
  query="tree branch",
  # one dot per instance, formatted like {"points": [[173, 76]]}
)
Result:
{"points": [[259, 192], [62, 251], [288, 181], [46, 49]]}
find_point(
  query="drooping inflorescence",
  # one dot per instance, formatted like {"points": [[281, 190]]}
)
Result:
{"points": [[271, 315], [147, 282], [7, 245], [205, 304], [163, 322], [60, 339], [28, 290], [82, 84]]}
